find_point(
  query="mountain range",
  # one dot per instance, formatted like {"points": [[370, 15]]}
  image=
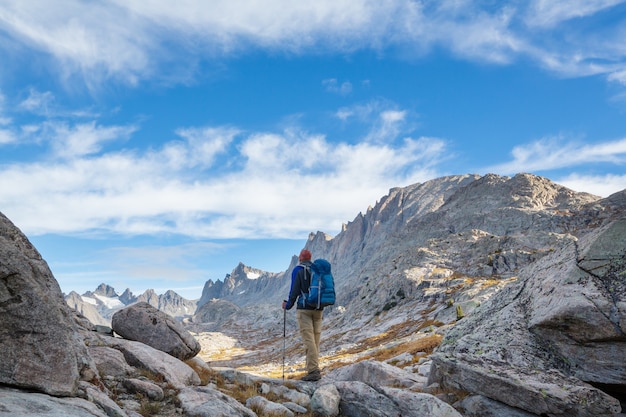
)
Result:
{"points": [[463, 227], [427, 259], [100, 305]]}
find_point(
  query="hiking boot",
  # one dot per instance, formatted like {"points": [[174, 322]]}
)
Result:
{"points": [[312, 376]]}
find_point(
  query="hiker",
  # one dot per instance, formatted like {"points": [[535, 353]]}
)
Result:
{"points": [[309, 318]]}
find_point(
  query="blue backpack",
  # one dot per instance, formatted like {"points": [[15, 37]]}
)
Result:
{"points": [[322, 290]]}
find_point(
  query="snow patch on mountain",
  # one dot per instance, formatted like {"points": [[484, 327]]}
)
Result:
{"points": [[110, 302]]}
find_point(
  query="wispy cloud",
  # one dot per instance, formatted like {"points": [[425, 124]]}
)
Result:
{"points": [[557, 152], [131, 42], [38, 102], [84, 139], [549, 13], [333, 86]]}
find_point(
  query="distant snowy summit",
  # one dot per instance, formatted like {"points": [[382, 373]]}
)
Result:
{"points": [[99, 306]]}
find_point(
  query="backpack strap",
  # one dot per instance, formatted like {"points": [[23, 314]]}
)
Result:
{"points": [[307, 271]]}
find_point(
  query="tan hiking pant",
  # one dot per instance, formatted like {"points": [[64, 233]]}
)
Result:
{"points": [[310, 324]]}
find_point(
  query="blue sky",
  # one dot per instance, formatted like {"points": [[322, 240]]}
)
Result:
{"points": [[156, 144]]}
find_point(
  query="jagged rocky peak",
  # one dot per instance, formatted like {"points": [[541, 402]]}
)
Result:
{"points": [[243, 271], [244, 285], [127, 297], [104, 290], [149, 296]]}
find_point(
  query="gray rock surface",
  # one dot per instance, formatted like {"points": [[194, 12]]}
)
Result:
{"points": [[480, 406], [110, 362], [215, 311], [174, 371], [325, 401], [41, 349], [291, 394], [265, 406], [208, 402], [146, 388], [539, 343], [417, 404], [101, 398], [360, 399], [15, 403], [146, 324], [375, 373]]}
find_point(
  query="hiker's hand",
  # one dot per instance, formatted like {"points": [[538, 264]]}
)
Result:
{"points": [[284, 305]]}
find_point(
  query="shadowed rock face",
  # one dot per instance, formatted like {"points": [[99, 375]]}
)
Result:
{"points": [[41, 349]]}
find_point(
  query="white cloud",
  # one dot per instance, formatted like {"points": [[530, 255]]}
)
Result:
{"points": [[555, 152], [83, 139], [38, 103], [205, 144], [618, 76], [602, 185], [333, 86], [482, 37], [4, 120], [6, 137], [389, 124]]}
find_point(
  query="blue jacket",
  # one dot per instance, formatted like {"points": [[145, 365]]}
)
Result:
{"points": [[300, 283]]}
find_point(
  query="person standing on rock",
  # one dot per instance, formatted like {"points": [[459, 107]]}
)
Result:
{"points": [[309, 318]]}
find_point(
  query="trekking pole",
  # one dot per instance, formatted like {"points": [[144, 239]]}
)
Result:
{"points": [[284, 338]]}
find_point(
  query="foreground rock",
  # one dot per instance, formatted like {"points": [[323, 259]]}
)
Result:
{"points": [[543, 344], [144, 323], [41, 349], [15, 403], [168, 368]]}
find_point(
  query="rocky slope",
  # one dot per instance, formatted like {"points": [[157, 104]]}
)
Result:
{"points": [[422, 255]]}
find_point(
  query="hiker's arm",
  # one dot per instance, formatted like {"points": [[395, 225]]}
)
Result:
{"points": [[295, 288]]}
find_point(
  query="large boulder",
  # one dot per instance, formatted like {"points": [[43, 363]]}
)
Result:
{"points": [[144, 323], [546, 343], [41, 348]]}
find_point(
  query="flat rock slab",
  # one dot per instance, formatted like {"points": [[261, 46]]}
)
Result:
{"points": [[14, 403]]}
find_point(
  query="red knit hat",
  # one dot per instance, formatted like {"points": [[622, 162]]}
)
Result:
{"points": [[305, 255]]}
